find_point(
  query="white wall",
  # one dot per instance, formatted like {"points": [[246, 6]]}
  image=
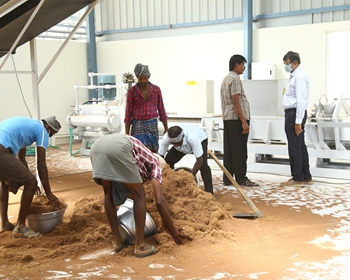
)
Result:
{"points": [[175, 60], [57, 95]]}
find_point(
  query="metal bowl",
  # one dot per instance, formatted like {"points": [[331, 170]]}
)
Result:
{"points": [[46, 222], [127, 228], [190, 171]]}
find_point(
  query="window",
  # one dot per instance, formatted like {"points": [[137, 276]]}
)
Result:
{"points": [[62, 30]]}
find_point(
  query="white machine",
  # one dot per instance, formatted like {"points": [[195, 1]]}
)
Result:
{"points": [[101, 116]]}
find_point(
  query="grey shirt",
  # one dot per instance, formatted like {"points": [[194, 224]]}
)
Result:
{"points": [[230, 86]]}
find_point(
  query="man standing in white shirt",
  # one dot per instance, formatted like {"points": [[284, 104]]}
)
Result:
{"points": [[188, 139], [295, 103]]}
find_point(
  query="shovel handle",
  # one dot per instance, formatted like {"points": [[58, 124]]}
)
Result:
{"points": [[238, 187]]}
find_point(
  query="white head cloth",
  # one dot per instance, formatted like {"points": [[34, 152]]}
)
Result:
{"points": [[177, 138]]}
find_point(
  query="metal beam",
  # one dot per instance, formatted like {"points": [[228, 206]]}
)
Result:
{"points": [[65, 42], [35, 87], [14, 45], [10, 6], [15, 72], [247, 36], [62, 32], [91, 52], [303, 12]]}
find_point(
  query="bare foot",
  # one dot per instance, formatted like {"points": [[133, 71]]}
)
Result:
{"points": [[7, 227], [145, 251], [118, 246]]}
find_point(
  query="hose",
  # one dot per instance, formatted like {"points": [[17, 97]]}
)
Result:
{"points": [[30, 151], [71, 143]]}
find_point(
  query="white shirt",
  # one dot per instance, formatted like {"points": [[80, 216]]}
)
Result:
{"points": [[191, 143], [297, 93]]}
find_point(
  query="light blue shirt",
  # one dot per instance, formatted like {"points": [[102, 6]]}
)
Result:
{"points": [[192, 141], [297, 93], [20, 132]]}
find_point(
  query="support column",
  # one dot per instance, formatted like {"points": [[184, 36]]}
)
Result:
{"points": [[247, 36], [91, 51], [34, 68]]}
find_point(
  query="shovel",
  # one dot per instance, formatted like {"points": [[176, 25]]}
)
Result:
{"points": [[256, 211]]}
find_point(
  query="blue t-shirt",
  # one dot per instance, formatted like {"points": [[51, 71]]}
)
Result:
{"points": [[20, 132]]}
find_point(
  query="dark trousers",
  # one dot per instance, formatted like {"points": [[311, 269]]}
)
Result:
{"points": [[235, 151], [173, 156], [298, 155]]}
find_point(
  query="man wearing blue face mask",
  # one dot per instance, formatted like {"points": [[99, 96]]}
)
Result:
{"points": [[295, 103]]}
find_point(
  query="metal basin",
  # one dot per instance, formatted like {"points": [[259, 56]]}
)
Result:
{"points": [[46, 222], [190, 171], [127, 228]]}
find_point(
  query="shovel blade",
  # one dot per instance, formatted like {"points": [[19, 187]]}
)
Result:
{"points": [[244, 216]]}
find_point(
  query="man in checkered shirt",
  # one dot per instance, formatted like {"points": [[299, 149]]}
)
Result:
{"points": [[236, 118], [121, 162]]}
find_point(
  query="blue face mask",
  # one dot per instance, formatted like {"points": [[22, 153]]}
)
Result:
{"points": [[288, 68]]}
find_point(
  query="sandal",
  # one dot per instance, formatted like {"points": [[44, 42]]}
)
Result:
{"points": [[27, 233], [141, 254]]}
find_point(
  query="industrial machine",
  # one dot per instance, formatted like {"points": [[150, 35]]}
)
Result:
{"points": [[104, 115]]}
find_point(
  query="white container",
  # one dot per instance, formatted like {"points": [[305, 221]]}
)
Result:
{"points": [[263, 70]]}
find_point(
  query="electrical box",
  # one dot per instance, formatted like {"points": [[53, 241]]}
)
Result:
{"points": [[265, 96], [263, 70], [198, 98]]}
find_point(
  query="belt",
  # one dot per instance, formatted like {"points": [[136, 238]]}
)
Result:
{"points": [[290, 110]]}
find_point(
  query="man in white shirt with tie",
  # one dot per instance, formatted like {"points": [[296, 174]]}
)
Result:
{"points": [[295, 103]]}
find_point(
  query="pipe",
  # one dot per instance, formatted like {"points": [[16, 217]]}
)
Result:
{"points": [[71, 143], [111, 121]]}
